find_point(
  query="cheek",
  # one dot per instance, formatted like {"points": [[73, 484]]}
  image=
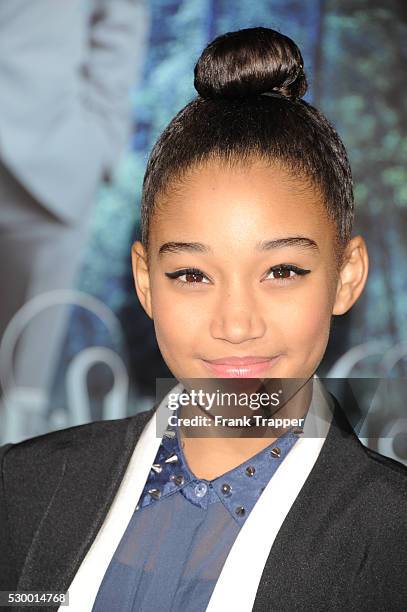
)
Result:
{"points": [[179, 324], [307, 324]]}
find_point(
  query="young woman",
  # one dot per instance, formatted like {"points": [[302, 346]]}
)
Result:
{"points": [[246, 255]]}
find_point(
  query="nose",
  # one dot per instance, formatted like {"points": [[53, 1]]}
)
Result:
{"points": [[237, 316]]}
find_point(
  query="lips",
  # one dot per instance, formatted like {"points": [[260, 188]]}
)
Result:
{"points": [[236, 367]]}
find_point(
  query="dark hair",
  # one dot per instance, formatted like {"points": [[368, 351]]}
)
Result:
{"points": [[232, 120]]}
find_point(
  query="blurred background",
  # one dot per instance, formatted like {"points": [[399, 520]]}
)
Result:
{"points": [[87, 86]]}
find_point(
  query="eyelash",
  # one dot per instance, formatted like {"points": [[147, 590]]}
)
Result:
{"points": [[280, 281]]}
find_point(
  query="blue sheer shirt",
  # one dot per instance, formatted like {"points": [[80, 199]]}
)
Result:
{"points": [[179, 536]]}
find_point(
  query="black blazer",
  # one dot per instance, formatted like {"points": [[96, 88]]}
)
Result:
{"points": [[342, 546]]}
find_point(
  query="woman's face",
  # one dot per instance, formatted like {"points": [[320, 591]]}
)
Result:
{"points": [[265, 283]]}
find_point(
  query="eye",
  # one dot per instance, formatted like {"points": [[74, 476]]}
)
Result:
{"points": [[193, 276], [286, 273]]}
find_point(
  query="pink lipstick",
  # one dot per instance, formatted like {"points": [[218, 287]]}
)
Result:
{"points": [[239, 367]]}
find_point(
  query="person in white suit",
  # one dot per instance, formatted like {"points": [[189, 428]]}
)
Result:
{"points": [[66, 69]]}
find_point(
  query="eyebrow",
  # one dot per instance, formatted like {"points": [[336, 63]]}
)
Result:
{"points": [[263, 245], [291, 241]]}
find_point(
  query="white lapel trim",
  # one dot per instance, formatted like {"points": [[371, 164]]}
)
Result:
{"points": [[238, 582], [87, 580]]}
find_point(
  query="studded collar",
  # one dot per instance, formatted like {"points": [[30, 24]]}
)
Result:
{"points": [[238, 489]]}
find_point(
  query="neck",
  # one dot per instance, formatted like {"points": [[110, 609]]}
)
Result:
{"points": [[212, 450]]}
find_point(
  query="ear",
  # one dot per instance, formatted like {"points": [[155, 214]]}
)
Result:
{"points": [[141, 276], [352, 276]]}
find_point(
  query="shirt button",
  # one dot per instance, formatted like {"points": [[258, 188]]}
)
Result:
{"points": [[200, 489]]}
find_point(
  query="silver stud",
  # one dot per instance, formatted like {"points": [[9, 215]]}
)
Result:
{"points": [[250, 470], [171, 459], [240, 511], [138, 507], [156, 493], [226, 488], [275, 452], [179, 480], [157, 468], [169, 433]]}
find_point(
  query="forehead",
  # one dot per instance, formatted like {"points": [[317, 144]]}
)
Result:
{"points": [[228, 205]]}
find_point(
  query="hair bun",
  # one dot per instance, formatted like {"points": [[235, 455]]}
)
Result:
{"points": [[250, 62]]}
